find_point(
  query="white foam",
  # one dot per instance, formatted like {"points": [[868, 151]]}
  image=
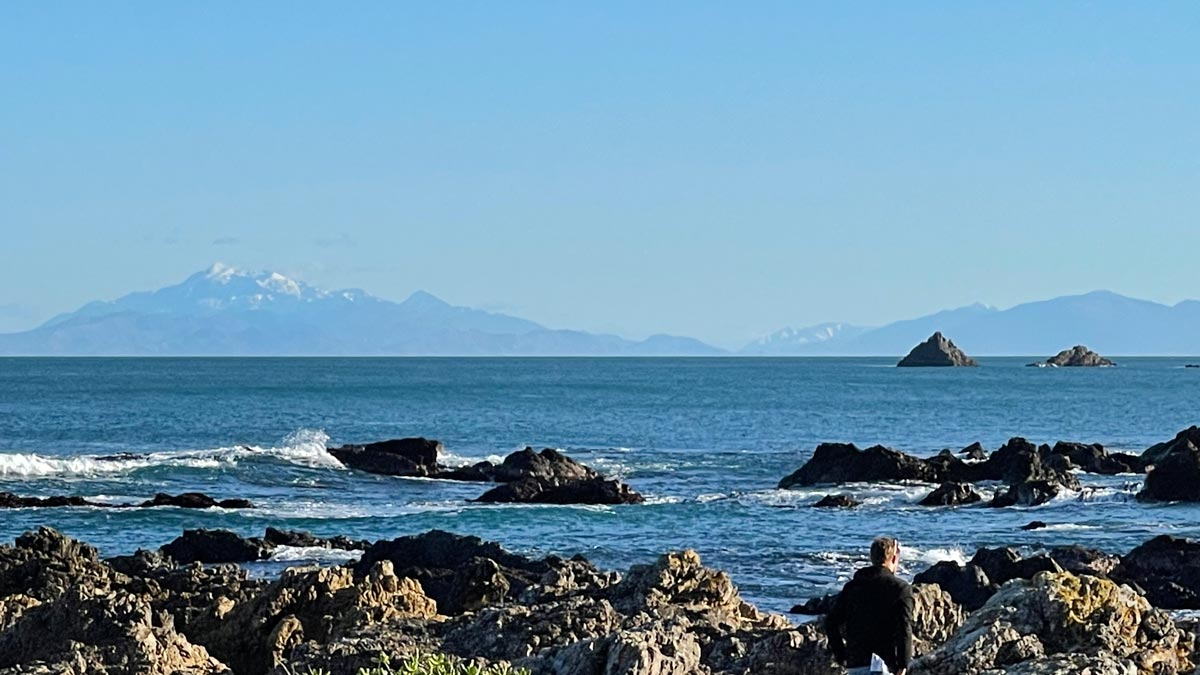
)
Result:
{"points": [[333, 556], [306, 447], [932, 556]]}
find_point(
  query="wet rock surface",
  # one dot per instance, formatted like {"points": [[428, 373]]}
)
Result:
{"points": [[837, 502], [952, 494]]}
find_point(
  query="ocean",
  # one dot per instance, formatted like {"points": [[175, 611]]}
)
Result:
{"points": [[706, 440]]}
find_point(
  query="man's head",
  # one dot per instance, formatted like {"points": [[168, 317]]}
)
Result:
{"points": [[885, 551]]}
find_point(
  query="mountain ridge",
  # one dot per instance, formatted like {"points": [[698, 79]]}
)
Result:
{"points": [[224, 311]]}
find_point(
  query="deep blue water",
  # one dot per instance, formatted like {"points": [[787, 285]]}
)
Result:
{"points": [[705, 439]]}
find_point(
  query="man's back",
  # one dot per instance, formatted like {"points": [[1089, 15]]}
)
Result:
{"points": [[872, 615]]}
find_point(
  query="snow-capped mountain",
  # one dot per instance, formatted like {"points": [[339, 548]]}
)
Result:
{"points": [[1110, 323], [790, 340], [225, 311]]}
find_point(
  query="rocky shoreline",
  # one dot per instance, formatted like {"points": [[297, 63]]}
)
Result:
{"points": [[64, 609]]}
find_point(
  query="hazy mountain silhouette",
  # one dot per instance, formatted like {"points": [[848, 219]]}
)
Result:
{"points": [[223, 311], [1109, 323]]}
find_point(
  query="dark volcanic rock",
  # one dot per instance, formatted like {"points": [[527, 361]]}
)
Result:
{"points": [[1035, 525], [1019, 461], [276, 537], [399, 457], [837, 501], [10, 501], [1077, 356], [196, 500], [974, 451], [544, 491], [1175, 475], [1093, 458], [952, 494], [549, 464], [1167, 568], [1005, 564], [937, 351], [1081, 560], [1032, 493], [968, 585], [845, 463], [215, 546], [1186, 440]]}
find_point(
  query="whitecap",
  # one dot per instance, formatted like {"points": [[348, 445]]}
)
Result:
{"points": [[318, 554]]}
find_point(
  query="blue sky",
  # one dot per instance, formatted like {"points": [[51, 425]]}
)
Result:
{"points": [[713, 169]]}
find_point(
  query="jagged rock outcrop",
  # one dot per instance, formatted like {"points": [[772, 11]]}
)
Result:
{"points": [[214, 547], [1167, 568], [1077, 356], [1060, 622], [595, 490], [1183, 441], [312, 604], [1034, 474], [974, 451], [1094, 458], [1175, 477], [549, 465], [938, 350], [952, 494], [971, 585], [846, 463], [1082, 560], [397, 457]]}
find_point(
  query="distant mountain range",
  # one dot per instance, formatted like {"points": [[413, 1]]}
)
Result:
{"points": [[1109, 323], [223, 311]]}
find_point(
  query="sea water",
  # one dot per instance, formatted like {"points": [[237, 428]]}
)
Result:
{"points": [[706, 440]]}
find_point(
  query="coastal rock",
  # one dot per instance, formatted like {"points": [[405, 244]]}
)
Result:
{"points": [[1077, 356], [936, 351], [276, 537], [1057, 621], [399, 457], [1035, 525], [1019, 461], [1032, 493], [548, 465], [196, 500], [464, 573], [1094, 458], [1175, 477], [9, 500], [816, 606], [968, 585], [846, 463], [215, 546], [1004, 564], [952, 494], [548, 491], [100, 632], [837, 501], [936, 617], [1081, 560], [1184, 442], [974, 451], [1168, 570], [308, 604]]}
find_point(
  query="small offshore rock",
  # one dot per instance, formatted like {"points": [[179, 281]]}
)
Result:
{"points": [[1078, 356], [938, 350], [952, 494], [837, 501]]}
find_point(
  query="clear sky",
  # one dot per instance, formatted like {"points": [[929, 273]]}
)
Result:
{"points": [[719, 170]]}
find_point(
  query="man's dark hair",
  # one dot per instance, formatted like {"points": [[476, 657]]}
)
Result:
{"points": [[884, 549]]}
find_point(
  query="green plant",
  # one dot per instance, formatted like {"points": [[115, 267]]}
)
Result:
{"points": [[434, 664]]}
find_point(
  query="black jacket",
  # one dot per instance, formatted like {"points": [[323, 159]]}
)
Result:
{"points": [[872, 615]]}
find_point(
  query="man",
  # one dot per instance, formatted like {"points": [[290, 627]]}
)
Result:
{"points": [[873, 615]]}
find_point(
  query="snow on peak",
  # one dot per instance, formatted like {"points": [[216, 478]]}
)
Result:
{"points": [[221, 273], [280, 284]]}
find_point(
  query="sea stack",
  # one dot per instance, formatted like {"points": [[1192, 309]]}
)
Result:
{"points": [[1077, 356], [938, 350]]}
